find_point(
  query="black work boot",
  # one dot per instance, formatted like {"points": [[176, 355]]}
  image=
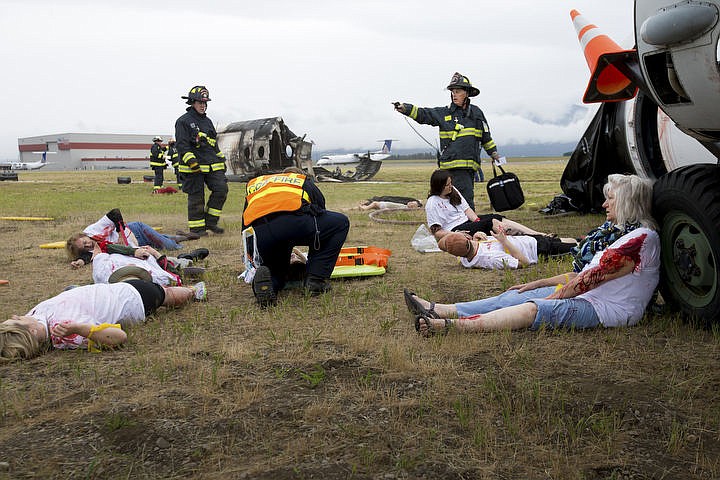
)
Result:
{"points": [[263, 287], [200, 232], [316, 285], [215, 229], [195, 255]]}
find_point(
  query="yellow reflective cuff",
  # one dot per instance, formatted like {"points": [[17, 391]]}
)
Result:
{"points": [[196, 223], [217, 166], [489, 145], [187, 157], [413, 113], [214, 212], [93, 346]]}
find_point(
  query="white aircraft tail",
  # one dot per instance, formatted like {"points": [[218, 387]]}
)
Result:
{"points": [[387, 146]]}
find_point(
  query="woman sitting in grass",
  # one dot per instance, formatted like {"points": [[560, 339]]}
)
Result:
{"points": [[447, 211], [611, 287], [91, 316]]}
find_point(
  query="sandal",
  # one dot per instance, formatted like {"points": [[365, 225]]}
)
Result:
{"points": [[430, 330], [415, 307]]}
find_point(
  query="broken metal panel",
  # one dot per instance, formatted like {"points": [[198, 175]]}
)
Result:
{"points": [[364, 170], [262, 146]]}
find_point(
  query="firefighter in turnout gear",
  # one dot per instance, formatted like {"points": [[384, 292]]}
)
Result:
{"points": [[157, 162], [200, 163], [463, 130], [286, 210], [172, 154]]}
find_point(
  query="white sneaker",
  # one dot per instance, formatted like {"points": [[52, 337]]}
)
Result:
{"points": [[200, 291]]}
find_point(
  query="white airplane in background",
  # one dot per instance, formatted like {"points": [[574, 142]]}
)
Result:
{"points": [[25, 165], [355, 158]]}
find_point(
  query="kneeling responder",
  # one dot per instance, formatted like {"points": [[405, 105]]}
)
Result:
{"points": [[286, 210]]}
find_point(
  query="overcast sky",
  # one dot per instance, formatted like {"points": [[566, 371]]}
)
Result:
{"points": [[330, 68]]}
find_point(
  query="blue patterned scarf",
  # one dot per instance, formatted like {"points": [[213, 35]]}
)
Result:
{"points": [[598, 240]]}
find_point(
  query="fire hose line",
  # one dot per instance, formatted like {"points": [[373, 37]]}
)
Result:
{"points": [[375, 216]]}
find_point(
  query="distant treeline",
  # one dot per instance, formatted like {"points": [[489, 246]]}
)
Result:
{"points": [[413, 156]]}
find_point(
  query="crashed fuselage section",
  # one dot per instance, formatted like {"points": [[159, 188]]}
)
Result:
{"points": [[263, 146]]}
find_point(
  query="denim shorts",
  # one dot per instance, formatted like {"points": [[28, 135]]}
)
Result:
{"points": [[566, 313], [570, 313]]}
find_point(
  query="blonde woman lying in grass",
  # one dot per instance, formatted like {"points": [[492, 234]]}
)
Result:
{"points": [[91, 316]]}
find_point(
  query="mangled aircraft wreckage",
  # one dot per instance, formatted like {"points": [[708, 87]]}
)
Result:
{"points": [[267, 145]]}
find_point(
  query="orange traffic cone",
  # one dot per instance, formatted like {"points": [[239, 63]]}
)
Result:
{"points": [[607, 83]]}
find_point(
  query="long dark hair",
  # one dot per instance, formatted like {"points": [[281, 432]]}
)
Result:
{"points": [[438, 179]]}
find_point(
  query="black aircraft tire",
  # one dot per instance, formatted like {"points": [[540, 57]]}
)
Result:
{"points": [[124, 180], [686, 204], [236, 178]]}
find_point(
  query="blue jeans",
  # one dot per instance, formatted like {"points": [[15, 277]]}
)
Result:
{"points": [[147, 236], [567, 313]]}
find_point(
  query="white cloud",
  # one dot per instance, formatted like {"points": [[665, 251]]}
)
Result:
{"points": [[329, 68]]}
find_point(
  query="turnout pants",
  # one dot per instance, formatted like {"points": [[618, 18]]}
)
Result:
{"points": [[199, 214], [158, 182], [275, 238], [464, 180]]}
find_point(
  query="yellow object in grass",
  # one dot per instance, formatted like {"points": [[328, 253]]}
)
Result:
{"points": [[60, 244]]}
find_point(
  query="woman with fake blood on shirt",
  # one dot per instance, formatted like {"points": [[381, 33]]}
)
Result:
{"points": [[611, 289]]}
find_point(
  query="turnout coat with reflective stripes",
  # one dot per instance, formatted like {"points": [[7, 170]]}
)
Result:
{"points": [[266, 194], [157, 156], [462, 133], [196, 142]]}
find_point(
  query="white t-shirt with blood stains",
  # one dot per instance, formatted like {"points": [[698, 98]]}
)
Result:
{"points": [[104, 264], [90, 304], [492, 255], [104, 229], [622, 301]]}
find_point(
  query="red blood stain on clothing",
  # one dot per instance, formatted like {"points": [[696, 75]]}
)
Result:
{"points": [[611, 261]]}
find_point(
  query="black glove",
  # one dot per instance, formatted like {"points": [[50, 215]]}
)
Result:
{"points": [[116, 217]]}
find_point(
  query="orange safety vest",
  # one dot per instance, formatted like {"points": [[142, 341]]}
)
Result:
{"points": [[266, 194]]}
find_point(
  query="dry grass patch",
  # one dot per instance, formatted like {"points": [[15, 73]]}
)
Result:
{"points": [[339, 386]]}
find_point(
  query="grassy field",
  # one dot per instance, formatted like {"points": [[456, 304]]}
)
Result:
{"points": [[340, 386]]}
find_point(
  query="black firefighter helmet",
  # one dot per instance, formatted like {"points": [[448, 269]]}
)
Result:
{"points": [[461, 81], [198, 93]]}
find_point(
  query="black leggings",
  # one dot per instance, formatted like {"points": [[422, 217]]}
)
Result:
{"points": [[547, 245], [484, 224], [152, 294]]}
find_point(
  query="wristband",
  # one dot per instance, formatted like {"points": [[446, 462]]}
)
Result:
{"points": [[93, 346]]}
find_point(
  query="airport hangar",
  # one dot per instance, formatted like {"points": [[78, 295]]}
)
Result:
{"points": [[89, 151]]}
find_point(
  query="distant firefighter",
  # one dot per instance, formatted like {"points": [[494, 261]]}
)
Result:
{"points": [[157, 162], [172, 154]]}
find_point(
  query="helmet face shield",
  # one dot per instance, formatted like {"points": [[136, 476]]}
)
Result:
{"points": [[198, 93]]}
